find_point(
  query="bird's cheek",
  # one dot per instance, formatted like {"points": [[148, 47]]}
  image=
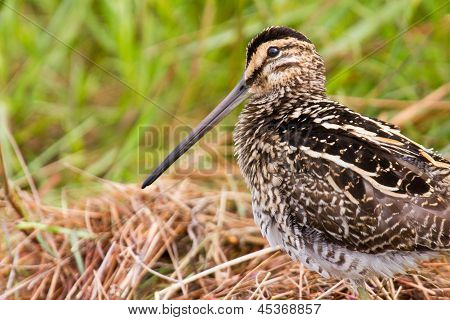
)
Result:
{"points": [[274, 77], [254, 89]]}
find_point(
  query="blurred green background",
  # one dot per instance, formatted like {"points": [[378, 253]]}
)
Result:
{"points": [[79, 78]]}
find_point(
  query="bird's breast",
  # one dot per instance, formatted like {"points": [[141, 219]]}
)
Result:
{"points": [[260, 155]]}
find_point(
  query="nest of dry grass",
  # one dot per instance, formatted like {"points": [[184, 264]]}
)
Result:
{"points": [[172, 241]]}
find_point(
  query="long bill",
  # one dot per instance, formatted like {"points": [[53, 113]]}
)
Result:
{"points": [[231, 101]]}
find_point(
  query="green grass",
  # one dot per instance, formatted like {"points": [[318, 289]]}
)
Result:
{"points": [[79, 78]]}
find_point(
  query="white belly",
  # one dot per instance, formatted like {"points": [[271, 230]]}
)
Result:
{"points": [[357, 266]]}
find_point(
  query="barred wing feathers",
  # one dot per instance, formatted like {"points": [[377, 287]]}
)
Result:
{"points": [[362, 184]]}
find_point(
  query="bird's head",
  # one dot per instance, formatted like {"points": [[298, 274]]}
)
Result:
{"points": [[277, 58], [283, 57]]}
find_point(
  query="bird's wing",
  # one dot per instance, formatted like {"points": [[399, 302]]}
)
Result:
{"points": [[363, 184]]}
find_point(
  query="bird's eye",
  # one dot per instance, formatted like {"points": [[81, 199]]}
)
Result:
{"points": [[273, 51]]}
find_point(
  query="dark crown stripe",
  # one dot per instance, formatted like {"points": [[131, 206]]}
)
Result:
{"points": [[273, 33]]}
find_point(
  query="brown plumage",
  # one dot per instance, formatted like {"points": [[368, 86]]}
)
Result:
{"points": [[347, 195]]}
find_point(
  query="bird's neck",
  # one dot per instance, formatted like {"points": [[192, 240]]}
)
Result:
{"points": [[278, 103], [255, 130]]}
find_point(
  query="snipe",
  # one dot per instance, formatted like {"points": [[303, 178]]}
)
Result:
{"points": [[347, 195]]}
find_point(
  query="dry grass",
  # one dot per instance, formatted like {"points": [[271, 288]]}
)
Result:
{"points": [[172, 241]]}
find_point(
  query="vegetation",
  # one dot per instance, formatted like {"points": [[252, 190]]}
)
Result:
{"points": [[82, 81]]}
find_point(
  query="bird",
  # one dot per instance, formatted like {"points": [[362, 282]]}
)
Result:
{"points": [[348, 196]]}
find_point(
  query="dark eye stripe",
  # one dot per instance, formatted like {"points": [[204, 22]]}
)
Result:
{"points": [[284, 66], [258, 71], [255, 74]]}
